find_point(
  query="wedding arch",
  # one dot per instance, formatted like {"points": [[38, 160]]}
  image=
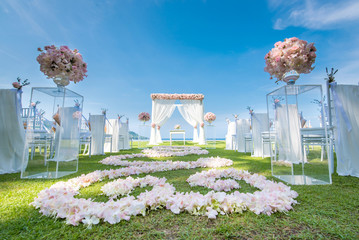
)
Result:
{"points": [[191, 109]]}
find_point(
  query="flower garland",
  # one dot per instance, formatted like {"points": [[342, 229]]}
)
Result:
{"points": [[155, 152], [208, 179], [123, 187], [59, 200], [165, 96]]}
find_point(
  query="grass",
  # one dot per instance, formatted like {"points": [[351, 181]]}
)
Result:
{"points": [[323, 212]]}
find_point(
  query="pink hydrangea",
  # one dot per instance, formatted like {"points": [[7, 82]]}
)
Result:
{"points": [[292, 54], [144, 116], [62, 61], [209, 117]]}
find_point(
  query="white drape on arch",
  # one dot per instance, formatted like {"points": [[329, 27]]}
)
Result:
{"points": [[162, 110], [192, 112]]}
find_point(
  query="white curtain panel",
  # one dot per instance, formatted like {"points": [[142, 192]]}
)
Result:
{"points": [[260, 124], [67, 137], [97, 123], [243, 128], [346, 138], [288, 134], [230, 139], [194, 109], [124, 133], [12, 135], [185, 112], [162, 110]]}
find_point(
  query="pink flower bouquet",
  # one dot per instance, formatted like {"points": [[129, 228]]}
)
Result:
{"points": [[210, 117], [144, 116], [177, 126], [292, 54], [63, 61]]}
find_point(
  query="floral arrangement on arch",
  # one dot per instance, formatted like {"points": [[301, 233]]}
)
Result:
{"points": [[56, 61], [209, 117], [175, 96], [144, 117], [291, 54], [177, 126]]}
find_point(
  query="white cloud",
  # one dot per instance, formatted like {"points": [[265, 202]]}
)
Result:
{"points": [[314, 15], [23, 11]]}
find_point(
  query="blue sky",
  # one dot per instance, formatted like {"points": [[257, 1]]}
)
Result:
{"points": [[135, 48]]}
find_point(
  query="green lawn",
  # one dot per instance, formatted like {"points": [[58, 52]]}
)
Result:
{"points": [[323, 212]]}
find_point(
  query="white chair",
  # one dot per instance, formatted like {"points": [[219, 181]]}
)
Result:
{"points": [[243, 129], [85, 140], [269, 139], [248, 141], [260, 123], [231, 136]]}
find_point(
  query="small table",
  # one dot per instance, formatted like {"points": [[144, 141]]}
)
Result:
{"points": [[178, 132]]}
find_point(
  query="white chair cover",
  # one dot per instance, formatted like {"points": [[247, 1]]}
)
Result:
{"points": [[124, 133], [97, 123], [231, 130], [243, 128], [12, 135], [260, 124], [288, 136], [67, 137], [347, 131], [112, 128]]}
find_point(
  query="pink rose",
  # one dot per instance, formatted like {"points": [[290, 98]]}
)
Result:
{"points": [[16, 85]]}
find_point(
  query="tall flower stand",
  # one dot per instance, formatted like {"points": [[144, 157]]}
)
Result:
{"points": [[52, 150], [143, 132], [299, 150], [210, 136]]}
